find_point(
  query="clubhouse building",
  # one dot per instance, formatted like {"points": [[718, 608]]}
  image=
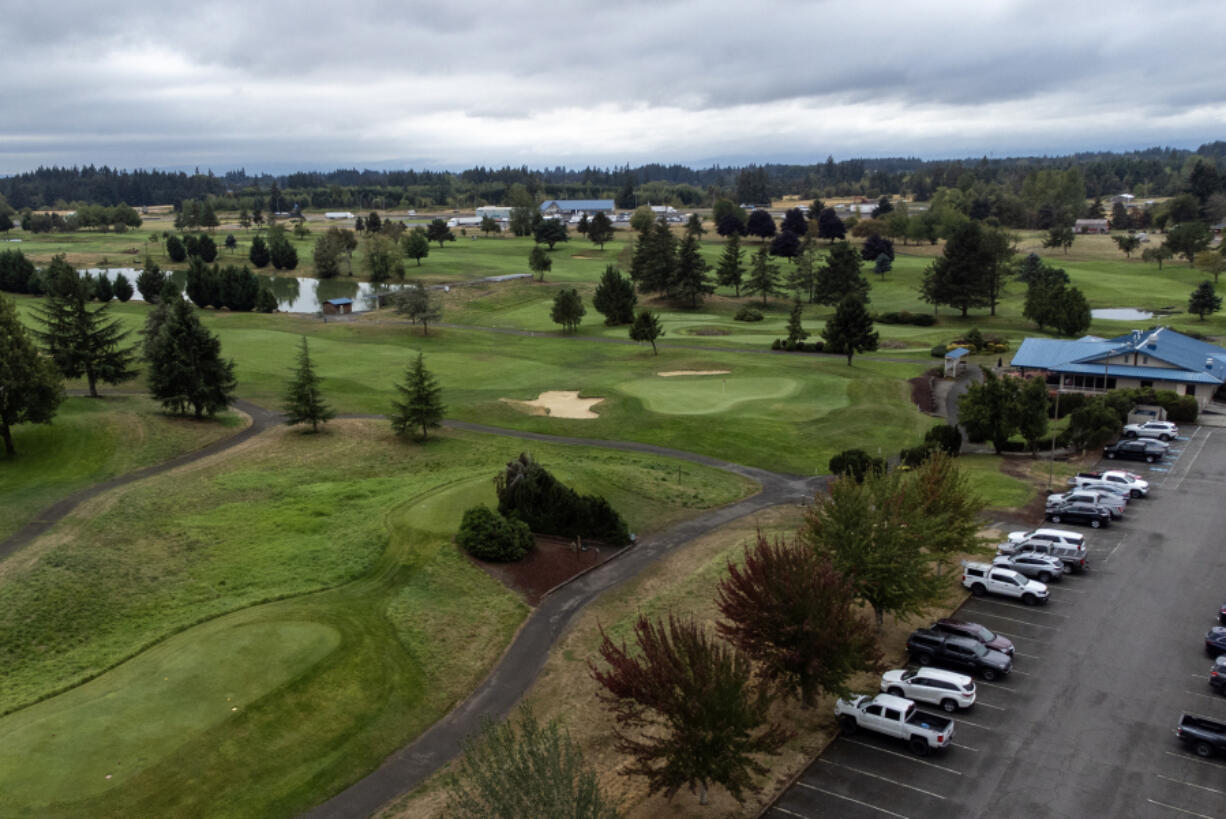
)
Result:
{"points": [[1159, 358]]}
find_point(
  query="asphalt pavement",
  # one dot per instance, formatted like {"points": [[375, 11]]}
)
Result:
{"points": [[1084, 726]]}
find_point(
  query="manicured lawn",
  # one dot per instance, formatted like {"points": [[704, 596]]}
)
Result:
{"points": [[333, 613], [999, 491], [89, 441]]}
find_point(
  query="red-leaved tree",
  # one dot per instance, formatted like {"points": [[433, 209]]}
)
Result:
{"points": [[789, 609], [687, 708]]}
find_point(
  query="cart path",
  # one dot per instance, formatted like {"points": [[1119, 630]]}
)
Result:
{"points": [[517, 669], [261, 420]]}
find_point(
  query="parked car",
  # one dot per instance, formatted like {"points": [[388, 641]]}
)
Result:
{"points": [[964, 628], [1106, 487], [1112, 501], [1064, 537], [895, 717], [981, 579], [947, 689], [1206, 736], [1215, 641], [1095, 517], [1043, 568], [1221, 614], [1162, 430], [1135, 450], [1133, 484], [1217, 674], [928, 647]]}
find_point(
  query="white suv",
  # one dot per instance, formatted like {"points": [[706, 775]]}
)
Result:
{"points": [[1162, 430], [982, 579], [948, 689]]}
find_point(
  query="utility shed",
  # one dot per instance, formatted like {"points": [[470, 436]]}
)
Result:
{"points": [[337, 307]]}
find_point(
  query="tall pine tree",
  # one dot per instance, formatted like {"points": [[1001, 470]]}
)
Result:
{"points": [[763, 276], [303, 402], [82, 342], [185, 364], [840, 276], [731, 270], [421, 404], [850, 329], [30, 384], [689, 281]]}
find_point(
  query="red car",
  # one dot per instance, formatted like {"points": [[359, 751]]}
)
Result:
{"points": [[962, 628]]}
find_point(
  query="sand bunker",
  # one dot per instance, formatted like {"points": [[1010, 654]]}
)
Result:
{"points": [[694, 372], [558, 404]]}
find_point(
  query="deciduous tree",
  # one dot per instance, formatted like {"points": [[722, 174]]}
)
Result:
{"points": [[304, 404], [568, 309], [989, 410], [789, 609], [437, 231], [786, 245], [795, 221], [381, 259], [421, 405], [31, 387], [550, 232], [760, 224], [1031, 412], [1060, 236], [830, 226], [1156, 254], [418, 305], [796, 333], [1187, 239], [687, 710], [416, 245], [1211, 262], [539, 261], [600, 230]]}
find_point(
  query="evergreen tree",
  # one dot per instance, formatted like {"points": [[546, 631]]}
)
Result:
{"points": [[693, 227], [539, 261], [303, 404], [421, 404], [206, 248], [175, 249], [568, 309], [960, 277], [16, 272], [615, 298], [731, 269], [647, 327], [660, 262], [1204, 300], [373, 223], [796, 333], [104, 292], [82, 342], [280, 250], [258, 255], [802, 278], [763, 276], [690, 281], [231, 242], [882, 265], [437, 231], [185, 364], [265, 301], [150, 281], [840, 276], [583, 225], [30, 384], [850, 329], [122, 287], [600, 230]]}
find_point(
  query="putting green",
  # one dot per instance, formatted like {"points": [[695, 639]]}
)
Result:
{"points": [[705, 394], [135, 715]]}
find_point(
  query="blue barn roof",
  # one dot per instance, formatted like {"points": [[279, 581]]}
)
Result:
{"points": [[338, 302], [1194, 361], [578, 204]]}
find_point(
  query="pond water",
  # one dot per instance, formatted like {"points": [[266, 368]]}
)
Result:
{"points": [[1121, 314], [294, 294]]}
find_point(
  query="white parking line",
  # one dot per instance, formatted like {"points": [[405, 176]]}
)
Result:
{"points": [[1190, 758], [856, 801], [1063, 590], [1014, 606], [1011, 619], [995, 685], [1190, 784], [1181, 810], [982, 704], [1118, 545], [965, 747], [1023, 673], [875, 776], [964, 721], [789, 812], [1027, 656], [903, 756], [1197, 676], [1215, 697]]}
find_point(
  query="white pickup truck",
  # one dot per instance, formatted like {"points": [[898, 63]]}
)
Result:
{"points": [[982, 579], [896, 717]]}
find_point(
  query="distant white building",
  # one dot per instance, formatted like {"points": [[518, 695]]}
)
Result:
{"points": [[338, 214], [495, 211]]}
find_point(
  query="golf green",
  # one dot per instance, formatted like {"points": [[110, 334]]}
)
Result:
{"points": [[706, 394]]}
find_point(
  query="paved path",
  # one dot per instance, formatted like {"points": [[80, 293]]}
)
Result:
{"points": [[261, 419]]}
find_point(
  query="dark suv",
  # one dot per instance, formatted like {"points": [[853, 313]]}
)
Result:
{"points": [[1136, 449], [1093, 516], [962, 628], [928, 647]]}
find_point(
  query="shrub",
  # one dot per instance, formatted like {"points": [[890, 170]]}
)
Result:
{"points": [[905, 317], [1185, 409], [777, 344], [974, 340], [527, 492], [946, 438], [938, 351], [916, 455], [855, 463], [818, 346], [747, 313], [486, 535]]}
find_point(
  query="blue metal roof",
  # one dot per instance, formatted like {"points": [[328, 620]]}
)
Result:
{"points": [[578, 204], [339, 302], [957, 352], [1196, 361]]}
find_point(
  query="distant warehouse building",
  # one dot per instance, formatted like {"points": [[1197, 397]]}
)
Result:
{"points": [[558, 207], [1091, 226], [1160, 359]]}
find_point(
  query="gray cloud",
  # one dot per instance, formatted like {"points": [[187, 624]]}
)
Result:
{"points": [[598, 82]]}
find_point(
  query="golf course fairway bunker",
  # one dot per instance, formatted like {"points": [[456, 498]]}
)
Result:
{"points": [[558, 404], [704, 395], [88, 740]]}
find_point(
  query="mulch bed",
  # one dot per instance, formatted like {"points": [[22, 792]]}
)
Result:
{"points": [[922, 395], [552, 561]]}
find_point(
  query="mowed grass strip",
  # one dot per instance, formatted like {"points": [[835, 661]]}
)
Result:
{"points": [[401, 626], [92, 440]]}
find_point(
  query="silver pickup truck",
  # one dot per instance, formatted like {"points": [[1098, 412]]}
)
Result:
{"points": [[896, 717]]}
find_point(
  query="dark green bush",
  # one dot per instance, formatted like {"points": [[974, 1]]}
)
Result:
{"points": [[945, 437], [905, 317], [938, 351], [527, 492], [1185, 409], [856, 463], [916, 455], [486, 535], [747, 313], [777, 344]]}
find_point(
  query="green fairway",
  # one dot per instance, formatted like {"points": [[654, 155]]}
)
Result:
{"points": [[91, 440], [309, 579], [708, 394]]}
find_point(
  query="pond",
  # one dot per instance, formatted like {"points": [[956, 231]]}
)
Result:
{"points": [[1121, 314]]}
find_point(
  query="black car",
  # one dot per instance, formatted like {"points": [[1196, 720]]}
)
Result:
{"points": [[1217, 674], [1085, 513], [965, 628], [1215, 641], [928, 647], [1135, 449]]}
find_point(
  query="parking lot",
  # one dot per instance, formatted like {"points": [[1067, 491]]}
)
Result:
{"points": [[1084, 725]]}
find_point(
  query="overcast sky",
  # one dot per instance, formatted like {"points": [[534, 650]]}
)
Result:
{"points": [[270, 85]]}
